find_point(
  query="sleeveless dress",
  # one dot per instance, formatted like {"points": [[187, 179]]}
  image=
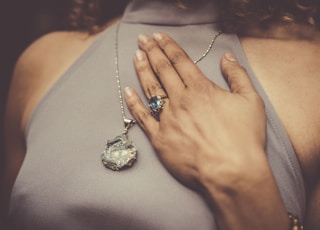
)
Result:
{"points": [[62, 183]]}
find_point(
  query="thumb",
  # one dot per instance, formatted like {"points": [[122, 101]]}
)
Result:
{"points": [[235, 75]]}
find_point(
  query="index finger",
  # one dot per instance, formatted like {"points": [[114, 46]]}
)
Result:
{"points": [[158, 64], [184, 65]]}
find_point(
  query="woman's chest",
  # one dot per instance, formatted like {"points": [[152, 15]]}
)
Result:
{"points": [[291, 79]]}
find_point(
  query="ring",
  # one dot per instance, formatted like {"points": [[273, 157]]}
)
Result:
{"points": [[156, 104]]}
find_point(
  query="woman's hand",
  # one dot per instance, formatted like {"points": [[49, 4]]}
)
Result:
{"points": [[208, 138], [203, 132]]}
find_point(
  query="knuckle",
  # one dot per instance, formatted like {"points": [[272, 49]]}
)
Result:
{"points": [[159, 141], [165, 42], [178, 56], [141, 68], [243, 71], [184, 103], [238, 88], [231, 72], [154, 88], [200, 86], [150, 46], [142, 117], [132, 102], [234, 69], [161, 66]]}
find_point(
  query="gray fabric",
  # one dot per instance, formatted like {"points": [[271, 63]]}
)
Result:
{"points": [[62, 183]]}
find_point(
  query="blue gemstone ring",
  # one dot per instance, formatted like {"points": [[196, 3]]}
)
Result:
{"points": [[156, 104]]}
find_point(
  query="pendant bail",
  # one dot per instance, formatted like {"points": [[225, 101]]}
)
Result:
{"points": [[128, 123]]}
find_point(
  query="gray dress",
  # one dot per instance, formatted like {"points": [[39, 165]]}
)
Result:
{"points": [[62, 183]]}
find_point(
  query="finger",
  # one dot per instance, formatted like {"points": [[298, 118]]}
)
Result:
{"points": [[186, 68], [149, 82], [236, 76], [142, 115], [160, 64]]}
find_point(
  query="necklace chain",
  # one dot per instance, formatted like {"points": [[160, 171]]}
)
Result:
{"points": [[209, 48], [129, 122], [116, 62], [121, 152]]}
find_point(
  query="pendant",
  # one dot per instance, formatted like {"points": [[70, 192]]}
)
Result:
{"points": [[120, 153]]}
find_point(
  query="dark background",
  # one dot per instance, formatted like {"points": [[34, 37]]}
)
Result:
{"points": [[22, 22]]}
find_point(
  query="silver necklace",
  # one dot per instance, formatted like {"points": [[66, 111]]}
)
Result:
{"points": [[121, 152]]}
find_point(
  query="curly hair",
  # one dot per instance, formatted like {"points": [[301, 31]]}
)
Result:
{"points": [[235, 15], [92, 15]]}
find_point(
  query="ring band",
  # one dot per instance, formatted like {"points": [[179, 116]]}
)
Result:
{"points": [[156, 104]]}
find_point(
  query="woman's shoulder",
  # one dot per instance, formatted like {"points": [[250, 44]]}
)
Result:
{"points": [[41, 65], [51, 50], [37, 69], [53, 45]]}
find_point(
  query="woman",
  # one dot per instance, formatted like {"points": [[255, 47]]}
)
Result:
{"points": [[251, 173]]}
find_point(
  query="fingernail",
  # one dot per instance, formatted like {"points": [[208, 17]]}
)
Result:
{"points": [[158, 36], [139, 55], [230, 57], [143, 38], [128, 92]]}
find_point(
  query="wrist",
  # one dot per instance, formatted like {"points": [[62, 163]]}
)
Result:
{"points": [[245, 195], [236, 173]]}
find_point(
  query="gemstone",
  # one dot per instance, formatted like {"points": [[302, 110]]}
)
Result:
{"points": [[119, 153], [156, 103]]}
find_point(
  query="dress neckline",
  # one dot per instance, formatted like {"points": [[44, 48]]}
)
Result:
{"points": [[159, 12]]}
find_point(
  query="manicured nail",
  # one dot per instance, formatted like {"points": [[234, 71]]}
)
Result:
{"points": [[139, 55], [158, 36], [143, 38], [230, 57], [128, 92]]}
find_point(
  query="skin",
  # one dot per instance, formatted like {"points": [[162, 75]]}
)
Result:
{"points": [[186, 128], [42, 64], [197, 106]]}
